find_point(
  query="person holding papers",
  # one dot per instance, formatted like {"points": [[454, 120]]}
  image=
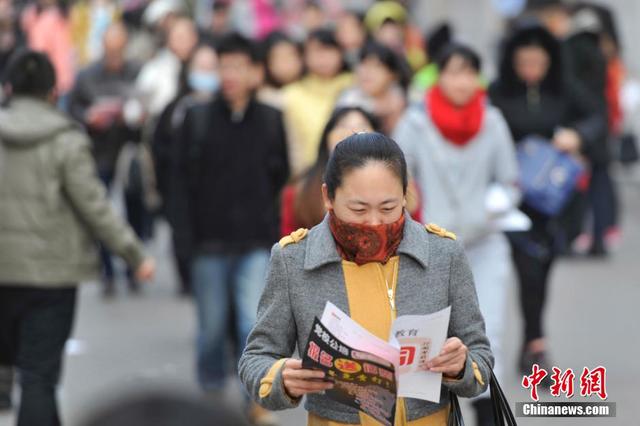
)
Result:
{"points": [[373, 262]]}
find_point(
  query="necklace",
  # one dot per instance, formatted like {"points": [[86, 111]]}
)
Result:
{"points": [[390, 289]]}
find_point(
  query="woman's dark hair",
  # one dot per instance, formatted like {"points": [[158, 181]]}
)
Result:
{"points": [[30, 73], [308, 206], [437, 39], [237, 43], [527, 33], [221, 6], [327, 38], [269, 43], [337, 116], [606, 18], [468, 55], [324, 36], [356, 151], [390, 59], [62, 5], [358, 15]]}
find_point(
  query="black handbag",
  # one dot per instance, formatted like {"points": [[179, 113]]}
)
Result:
{"points": [[628, 149], [501, 411]]}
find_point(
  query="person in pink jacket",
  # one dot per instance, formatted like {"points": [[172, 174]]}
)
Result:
{"points": [[46, 26]]}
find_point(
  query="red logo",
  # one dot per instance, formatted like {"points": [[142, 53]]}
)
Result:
{"points": [[532, 381], [562, 383], [407, 355], [594, 382]]}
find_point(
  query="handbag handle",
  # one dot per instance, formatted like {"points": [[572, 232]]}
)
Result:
{"points": [[455, 414], [501, 410]]}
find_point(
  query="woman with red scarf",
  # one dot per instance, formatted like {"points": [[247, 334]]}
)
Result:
{"points": [[462, 157], [370, 259]]}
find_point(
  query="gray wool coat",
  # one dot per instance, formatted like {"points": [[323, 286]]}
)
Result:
{"points": [[433, 274]]}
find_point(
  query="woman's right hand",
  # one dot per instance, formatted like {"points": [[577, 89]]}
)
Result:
{"points": [[146, 270], [299, 382], [567, 140]]}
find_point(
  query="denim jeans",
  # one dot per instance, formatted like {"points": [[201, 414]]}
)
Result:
{"points": [[226, 288], [35, 323]]}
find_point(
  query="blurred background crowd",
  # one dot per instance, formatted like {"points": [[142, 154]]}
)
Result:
{"points": [[218, 117]]}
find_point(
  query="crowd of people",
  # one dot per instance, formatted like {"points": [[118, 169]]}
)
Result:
{"points": [[220, 117]]}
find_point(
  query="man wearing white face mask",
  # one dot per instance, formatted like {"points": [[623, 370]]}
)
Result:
{"points": [[234, 163], [199, 82]]}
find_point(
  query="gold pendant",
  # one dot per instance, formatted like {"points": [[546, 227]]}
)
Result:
{"points": [[392, 301]]}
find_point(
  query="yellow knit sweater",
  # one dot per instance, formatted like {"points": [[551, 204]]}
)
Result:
{"points": [[307, 107]]}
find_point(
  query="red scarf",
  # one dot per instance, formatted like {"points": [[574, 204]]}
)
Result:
{"points": [[457, 124], [365, 243]]}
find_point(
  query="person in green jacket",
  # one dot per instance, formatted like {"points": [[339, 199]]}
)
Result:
{"points": [[53, 208]]}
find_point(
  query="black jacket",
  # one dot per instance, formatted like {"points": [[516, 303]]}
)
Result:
{"points": [[235, 168], [166, 147], [556, 102]]}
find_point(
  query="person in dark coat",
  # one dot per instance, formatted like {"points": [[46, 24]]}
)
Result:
{"points": [[536, 98], [578, 27], [589, 67], [11, 37], [235, 166], [199, 82]]}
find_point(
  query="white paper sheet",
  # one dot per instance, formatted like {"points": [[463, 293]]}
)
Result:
{"points": [[513, 220], [420, 338], [497, 201]]}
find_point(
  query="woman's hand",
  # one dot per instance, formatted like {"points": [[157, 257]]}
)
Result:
{"points": [[298, 381], [567, 140], [146, 270], [451, 360]]}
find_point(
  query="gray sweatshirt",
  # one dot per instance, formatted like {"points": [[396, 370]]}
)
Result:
{"points": [[453, 181]]}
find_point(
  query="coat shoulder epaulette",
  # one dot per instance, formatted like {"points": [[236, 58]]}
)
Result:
{"points": [[294, 237], [441, 232]]}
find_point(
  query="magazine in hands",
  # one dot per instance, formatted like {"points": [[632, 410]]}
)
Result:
{"points": [[369, 373]]}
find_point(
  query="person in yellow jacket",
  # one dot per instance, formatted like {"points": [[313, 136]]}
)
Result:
{"points": [[308, 103]]}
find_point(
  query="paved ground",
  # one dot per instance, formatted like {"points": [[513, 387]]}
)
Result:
{"points": [[132, 344]]}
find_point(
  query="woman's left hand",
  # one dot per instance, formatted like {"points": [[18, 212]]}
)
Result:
{"points": [[451, 360]]}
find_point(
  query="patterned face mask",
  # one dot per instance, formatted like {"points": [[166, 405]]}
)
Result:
{"points": [[366, 243]]}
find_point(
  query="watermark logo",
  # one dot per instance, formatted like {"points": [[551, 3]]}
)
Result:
{"points": [[592, 383]]}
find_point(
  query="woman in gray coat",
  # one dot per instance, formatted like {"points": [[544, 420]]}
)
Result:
{"points": [[370, 259]]}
